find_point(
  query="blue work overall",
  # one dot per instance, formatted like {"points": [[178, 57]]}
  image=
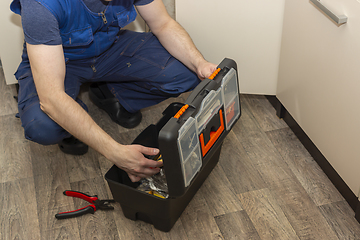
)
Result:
{"points": [[135, 66]]}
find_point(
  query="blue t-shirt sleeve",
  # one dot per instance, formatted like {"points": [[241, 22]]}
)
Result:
{"points": [[142, 2], [39, 24]]}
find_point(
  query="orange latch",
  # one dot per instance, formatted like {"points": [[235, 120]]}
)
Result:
{"points": [[214, 73], [213, 136], [181, 111]]}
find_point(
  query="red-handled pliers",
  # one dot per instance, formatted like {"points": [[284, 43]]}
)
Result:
{"points": [[95, 205]]}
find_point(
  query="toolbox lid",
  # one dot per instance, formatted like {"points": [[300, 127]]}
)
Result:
{"points": [[191, 136]]}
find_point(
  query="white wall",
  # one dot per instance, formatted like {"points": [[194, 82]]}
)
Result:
{"points": [[319, 80], [170, 7], [247, 31], [11, 41]]}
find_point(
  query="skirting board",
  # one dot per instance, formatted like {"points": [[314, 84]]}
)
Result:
{"points": [[334, 177]]}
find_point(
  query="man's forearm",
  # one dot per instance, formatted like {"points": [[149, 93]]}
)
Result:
{"points": [[179, 44], [174, 38], [72, 117]]}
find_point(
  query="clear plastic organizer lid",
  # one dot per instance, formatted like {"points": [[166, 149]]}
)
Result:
{"points": [[209, 107], [189, 148], [192, 165], [230, 93], [232, 111], [187, 138]]}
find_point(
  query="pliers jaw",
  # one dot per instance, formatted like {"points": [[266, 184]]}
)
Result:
{"points": [[95, 205], [104, 204]]}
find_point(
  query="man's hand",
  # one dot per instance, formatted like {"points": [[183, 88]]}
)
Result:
{"points": [[205, 69], [131, 159]]}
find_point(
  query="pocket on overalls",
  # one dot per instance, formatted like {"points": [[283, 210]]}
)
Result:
{"points": [[78, 40], [147, 48], [127, 16]]}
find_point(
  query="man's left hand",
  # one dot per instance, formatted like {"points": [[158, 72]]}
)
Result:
{"points": [[205, 69]]}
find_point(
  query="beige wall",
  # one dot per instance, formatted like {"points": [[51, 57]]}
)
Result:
{"points": [[170, 7], [319, 81], [247, 31], [11, 41]]}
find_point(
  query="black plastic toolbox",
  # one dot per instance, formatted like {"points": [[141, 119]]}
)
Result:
{"points": [[189, 136]]}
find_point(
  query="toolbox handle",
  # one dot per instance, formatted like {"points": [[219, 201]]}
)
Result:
{"points": [[214, 73], [213, 136], [181, 111]]}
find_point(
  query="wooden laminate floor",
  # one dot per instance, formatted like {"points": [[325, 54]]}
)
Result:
{"points": [[265, 186]]}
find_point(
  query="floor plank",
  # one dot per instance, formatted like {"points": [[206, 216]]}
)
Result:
{"points": [[129, 229], [266, 215], [9, 104], [280, 179], [263, 112], [198, 220], [176, 233], [340, 217], [15, 160], [254, 140], [237, 225], [300, 210], [83, 167], [261, 152], [51, 179], [239, 168], [52, 228], [18, 211], [307, 171], [101, 224], [219, 194]]}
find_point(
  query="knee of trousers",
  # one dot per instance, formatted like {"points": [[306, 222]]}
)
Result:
{"points": [[177, 79], [39, 128]]}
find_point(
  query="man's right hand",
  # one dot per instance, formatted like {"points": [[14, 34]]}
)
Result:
{"points": [[131, 159]]}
